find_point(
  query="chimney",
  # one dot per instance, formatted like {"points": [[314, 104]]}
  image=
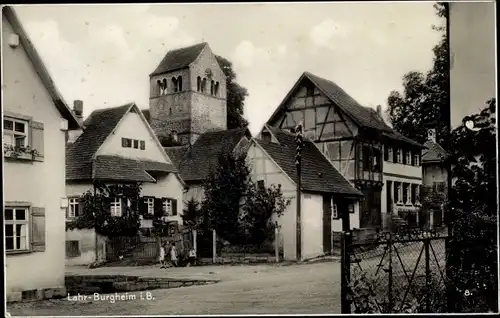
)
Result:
{"points": [[431, 134], [379, 110], [78, 109]]}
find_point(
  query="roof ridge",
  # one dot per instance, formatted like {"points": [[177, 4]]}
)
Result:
{"points": [[187, 47]]}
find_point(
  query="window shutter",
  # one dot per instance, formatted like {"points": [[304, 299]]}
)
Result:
{"points": [[158, 211], [174, 207], [37, 139], [143, 206], [80, 206], [37, 229]]}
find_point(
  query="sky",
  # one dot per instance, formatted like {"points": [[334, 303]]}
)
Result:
{"points": [[103, 54]]}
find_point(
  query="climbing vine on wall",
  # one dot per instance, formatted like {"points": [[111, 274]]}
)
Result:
{"points": [[96, 210]]}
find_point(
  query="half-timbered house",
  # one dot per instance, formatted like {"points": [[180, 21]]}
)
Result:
{"points": [[383, 164]]}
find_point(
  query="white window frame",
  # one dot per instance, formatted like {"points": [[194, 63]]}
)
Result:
{"points": [[116, 207], [333, 207], [408, 158], [13, 133], [73, 205], [14, 222], [399, 155], [416, 159], [151, 205], [167, 207], [408, 194], [399, 188]]}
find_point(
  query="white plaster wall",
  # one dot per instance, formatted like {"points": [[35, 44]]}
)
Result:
{"points": [[401, 169], [40, 183], [168, 186], [312, 225], [87, 243], [353, 220], [133, 127]]}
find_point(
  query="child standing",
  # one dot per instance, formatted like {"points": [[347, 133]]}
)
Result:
{"points": [[192, 256], [173, 255], [162, 256]]}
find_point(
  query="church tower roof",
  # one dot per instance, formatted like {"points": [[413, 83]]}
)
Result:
{"points": [[179, 58]]}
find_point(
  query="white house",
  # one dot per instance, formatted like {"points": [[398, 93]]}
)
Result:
{"points": [[118, 146], [324, 192], [35, 121]]}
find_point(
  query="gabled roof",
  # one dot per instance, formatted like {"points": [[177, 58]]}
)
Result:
{"points": [[195, 162], [147, 114], [40, 68], [433, 153], [318, 174], [361, 115], [98, 126], [179, 58]]}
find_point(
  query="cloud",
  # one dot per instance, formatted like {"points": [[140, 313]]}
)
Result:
{"points": [[324, 33]]}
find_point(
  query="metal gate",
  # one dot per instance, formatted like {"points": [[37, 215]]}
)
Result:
{"points": [[403, 272]]}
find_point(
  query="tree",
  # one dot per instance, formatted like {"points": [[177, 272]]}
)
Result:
{"points": [[473, 202], [224, 187], [261, 204], [96, 210], [424, 99], [191, 215], [235, 95]]}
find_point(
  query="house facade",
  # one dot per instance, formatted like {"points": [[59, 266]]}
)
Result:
{"points": [[35, 121], [271, 156], [472, 57], [117, 146], [383, 164]]}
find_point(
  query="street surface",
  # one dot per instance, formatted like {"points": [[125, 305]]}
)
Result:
{"points": [[260, 289]]}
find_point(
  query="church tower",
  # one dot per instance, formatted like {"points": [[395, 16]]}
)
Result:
{"points": [[188, 94]]}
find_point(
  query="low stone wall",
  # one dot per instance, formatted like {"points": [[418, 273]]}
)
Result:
{"points": [[236, 258], [89, 284]]}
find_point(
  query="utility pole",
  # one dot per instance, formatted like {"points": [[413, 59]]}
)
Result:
{"points": [[298, 163]]}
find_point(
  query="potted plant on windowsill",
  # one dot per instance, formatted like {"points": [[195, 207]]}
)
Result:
{"points": [[19, 152]]}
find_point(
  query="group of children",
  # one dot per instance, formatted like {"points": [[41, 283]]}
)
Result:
{"points": [[172, 251]]}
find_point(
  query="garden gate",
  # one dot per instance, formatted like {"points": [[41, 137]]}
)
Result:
{"points": [[402, 272]]}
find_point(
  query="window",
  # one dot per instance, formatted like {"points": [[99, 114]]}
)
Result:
{"points": [[73, 248], [416, 159], [216, 93], [417, 194], [136, 144], [159, 84], [126, 143], [399, 155], [212, 88], [408, 157], [179, 84], [116, 207], [198, 83], [16, 228], [414, 193], [407, 193], [15, 132], [260, 184], [333, 207], [174, 83], [310, 90], [151, 205], [266, 136], [351, 208], [164, 86], [142, 144], [203, 85], [388, 154], [73, 207], [397, 193], [167, 207]]}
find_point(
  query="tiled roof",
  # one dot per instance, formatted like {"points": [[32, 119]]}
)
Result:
{"points": [[179, 58], [434, 152], [318, 174], [98, 126], [196, 162], [120, 169], [361, 115]]}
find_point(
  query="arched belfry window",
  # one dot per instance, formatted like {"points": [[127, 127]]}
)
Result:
{"points": [[198, 83], [203, 84], [179, 83], [216, 92], [212, 87], [164, 86], [174, 84], [159, 87]]}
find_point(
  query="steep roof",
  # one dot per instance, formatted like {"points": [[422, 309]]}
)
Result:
{"points": [[361, 115], [147, 114], [195, 162], [97, 127], [179, 58], [318, 174], [433, 153], [40, 68]]}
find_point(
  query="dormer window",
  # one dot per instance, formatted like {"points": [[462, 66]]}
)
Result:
{"points": [[265, 136]]}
